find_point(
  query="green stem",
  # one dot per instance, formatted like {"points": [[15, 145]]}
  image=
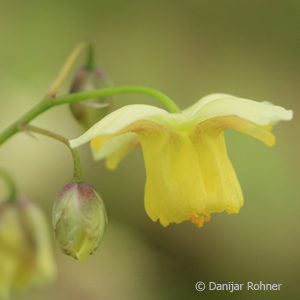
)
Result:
{"points": [[77, 97], [90, 64], [77, 176], [10, 184]]}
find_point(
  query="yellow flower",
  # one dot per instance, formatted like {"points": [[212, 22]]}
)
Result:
{"points": [[189, 174], [25, 251]]}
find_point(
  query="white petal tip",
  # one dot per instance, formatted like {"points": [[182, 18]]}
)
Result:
{"points": [[282, 115], [289, 115]]}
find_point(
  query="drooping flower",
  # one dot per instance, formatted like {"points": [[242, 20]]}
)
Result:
{"points": [[25, 251], [189, 174]]}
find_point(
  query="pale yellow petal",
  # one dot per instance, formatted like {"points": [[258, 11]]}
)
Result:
{"points": [[116, 146], [189, 176], [259, 132], [115, 157], [174, 185], [103, 146], [116, 121], [221, 183], [261, 113]]}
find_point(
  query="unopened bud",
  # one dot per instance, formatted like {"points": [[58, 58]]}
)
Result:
{"points": [[25, 250], [79, 220], [85, 80]]}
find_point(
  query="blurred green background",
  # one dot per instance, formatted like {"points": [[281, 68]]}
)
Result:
{"points": [[186, 49]]}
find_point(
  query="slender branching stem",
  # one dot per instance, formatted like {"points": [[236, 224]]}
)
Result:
{"points": [[77, 175], [48, 103]]}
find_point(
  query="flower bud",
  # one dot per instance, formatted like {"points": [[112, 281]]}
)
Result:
{"points": [[79, 220], [87, 113], [25, 251]]}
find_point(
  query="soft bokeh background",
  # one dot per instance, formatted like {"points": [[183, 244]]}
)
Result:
{"points": [[186, 49]]}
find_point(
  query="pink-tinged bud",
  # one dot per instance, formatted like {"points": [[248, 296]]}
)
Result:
{"points": [[89, 112], [79, 220]]}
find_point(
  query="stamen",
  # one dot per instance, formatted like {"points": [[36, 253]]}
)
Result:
{"points": [[198, 220]]}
